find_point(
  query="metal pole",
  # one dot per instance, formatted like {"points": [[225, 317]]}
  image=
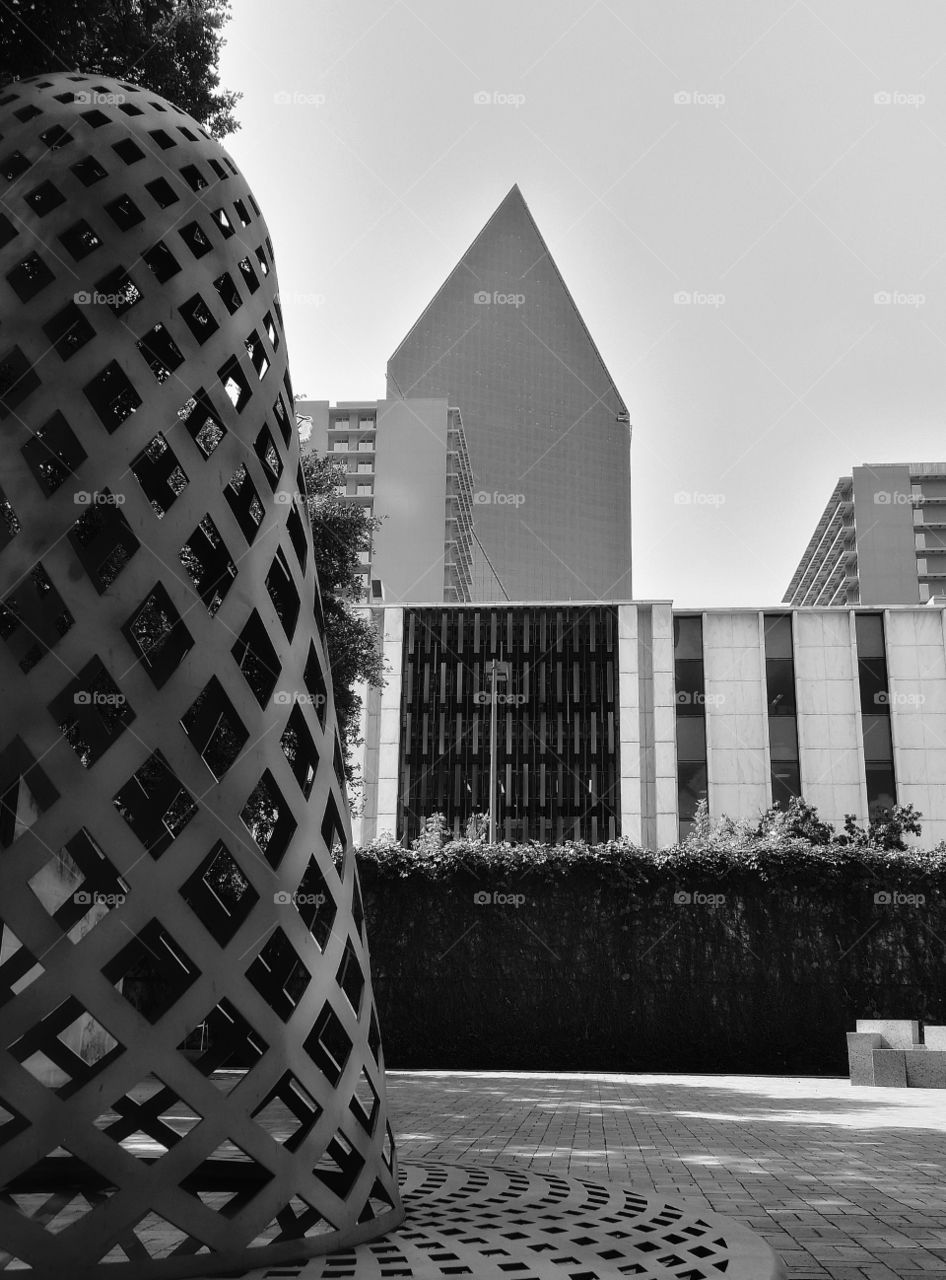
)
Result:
{"points": [[492, 753]]}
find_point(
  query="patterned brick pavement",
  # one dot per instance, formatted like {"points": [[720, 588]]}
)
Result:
{"points": [[844, 1183]]}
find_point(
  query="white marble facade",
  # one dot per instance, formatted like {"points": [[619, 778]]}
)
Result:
{"points": [[830, 742]]}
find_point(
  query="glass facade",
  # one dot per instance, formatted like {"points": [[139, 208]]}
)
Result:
{"points": [[875, 712], [547, 431], [690, 693], [782, 712]]}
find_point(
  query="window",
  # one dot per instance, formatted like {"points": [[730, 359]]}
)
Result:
{"points": [[780, 694], [197, 317], [80, 240], [691, 717], [161, 261], [875, 712], [112, 396], [68, 330], [208, 564], [53, 454]]}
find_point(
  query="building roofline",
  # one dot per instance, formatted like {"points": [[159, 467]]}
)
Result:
{"points": [[515, 190], [701, 609]]}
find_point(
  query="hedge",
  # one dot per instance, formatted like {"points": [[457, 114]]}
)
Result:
{"points": [[757, 955]]}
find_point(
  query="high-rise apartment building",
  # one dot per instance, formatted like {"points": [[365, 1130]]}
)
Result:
{"points": [[406, 462], [547, 430], [880, 541]]}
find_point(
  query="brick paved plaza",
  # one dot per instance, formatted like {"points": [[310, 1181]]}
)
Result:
{"points": [[847, 1183]]}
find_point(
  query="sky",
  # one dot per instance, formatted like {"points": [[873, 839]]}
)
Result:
{"points": [[746, 199]]}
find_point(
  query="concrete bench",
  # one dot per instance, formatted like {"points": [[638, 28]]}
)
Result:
{"points": [[893, 1053]]}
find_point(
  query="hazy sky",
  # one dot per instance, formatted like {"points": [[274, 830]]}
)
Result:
{"points": [[780, 162]]}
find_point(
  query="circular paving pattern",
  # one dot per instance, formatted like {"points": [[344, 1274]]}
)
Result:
{"points": [[511, 1224]]}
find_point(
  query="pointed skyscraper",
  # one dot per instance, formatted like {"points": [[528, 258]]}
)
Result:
{"points": [[547, 430]]}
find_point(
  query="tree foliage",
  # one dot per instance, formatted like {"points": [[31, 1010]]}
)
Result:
{"points": [[340, 532], [170, 46]]}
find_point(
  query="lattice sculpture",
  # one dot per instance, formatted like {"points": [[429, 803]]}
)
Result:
{"points": [[171, 781]]}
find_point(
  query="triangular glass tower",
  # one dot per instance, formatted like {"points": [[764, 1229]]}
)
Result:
{"points": [[547, 430]]}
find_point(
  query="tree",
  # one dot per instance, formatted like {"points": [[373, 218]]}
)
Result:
{"points": [[170, 46], [340, 532]]}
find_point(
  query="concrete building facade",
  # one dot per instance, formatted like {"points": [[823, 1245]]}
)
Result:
{"points": [[881, 539], [619, 719], [407, 463]]}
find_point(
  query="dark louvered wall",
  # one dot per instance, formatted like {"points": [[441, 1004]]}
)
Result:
{"points": [[557, 737]]}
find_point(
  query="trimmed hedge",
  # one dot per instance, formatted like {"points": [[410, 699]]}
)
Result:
{"points": [[593, 957]]}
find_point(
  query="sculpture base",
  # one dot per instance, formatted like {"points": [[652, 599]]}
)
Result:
{"points": [[492, 1223]]}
